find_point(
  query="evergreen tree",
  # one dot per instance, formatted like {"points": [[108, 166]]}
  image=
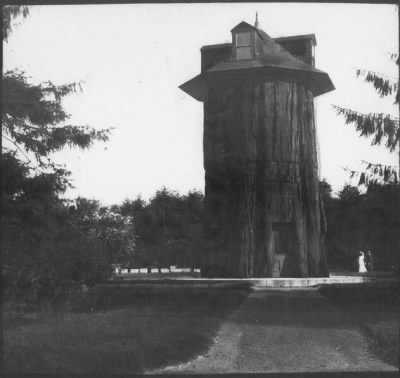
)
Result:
{"points": [[43, 245], [349, 193], [371, 221], [35, 123], [325, 190], [169, 228], [10, 14], [383, 128]]}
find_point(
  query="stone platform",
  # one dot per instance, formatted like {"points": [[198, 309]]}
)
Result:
{"points": [[257, 283]]}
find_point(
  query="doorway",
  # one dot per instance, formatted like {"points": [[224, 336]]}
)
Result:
{"points": [[284, 244]]}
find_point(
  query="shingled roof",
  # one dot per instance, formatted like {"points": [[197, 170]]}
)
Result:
{"points": [[272, 55], [272, 58]]}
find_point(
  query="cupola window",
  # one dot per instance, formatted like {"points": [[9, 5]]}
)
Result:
{"points": [[243, 46]]}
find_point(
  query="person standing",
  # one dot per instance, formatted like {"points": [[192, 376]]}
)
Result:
{"points": [[370, 259], [361, 263]]}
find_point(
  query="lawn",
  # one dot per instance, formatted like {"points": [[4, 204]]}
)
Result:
{"points": [[116, 330], [375, 307], [383, 339]]}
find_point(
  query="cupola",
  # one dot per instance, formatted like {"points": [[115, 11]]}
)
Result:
{"points": [[244, 42], [254, 54]]}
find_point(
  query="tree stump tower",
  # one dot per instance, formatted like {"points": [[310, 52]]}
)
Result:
{"points": [[264, 216]]}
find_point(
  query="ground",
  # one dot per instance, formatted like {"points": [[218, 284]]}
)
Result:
{"points": [[292, 330], [133, 329], [116, 330]]}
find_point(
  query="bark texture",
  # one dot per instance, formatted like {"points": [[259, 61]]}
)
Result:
{"points": [[262, 186]]}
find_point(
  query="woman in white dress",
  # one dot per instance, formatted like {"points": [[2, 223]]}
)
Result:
{"points": [[361, 263]]}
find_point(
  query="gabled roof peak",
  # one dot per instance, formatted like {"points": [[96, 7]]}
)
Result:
{"points": [[243, 26]]}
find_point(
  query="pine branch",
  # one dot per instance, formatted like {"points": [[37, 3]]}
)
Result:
{"points": [[378, 165], [394, 58], [18, 147], [10, 13], [383, 84], [375, 174], [363, 72], [380, 126]]}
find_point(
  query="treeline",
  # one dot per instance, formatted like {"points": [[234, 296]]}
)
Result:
{"points": [[45, 246], [169, 229], [50, 243], [165, 230], [361, 222]]}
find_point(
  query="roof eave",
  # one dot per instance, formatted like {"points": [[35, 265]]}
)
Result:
{"points": [[319, 82], [295, 37], [194, 87], [216, 46]]}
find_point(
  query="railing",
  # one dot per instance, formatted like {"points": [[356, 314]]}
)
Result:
{"points": [[149, 270]]}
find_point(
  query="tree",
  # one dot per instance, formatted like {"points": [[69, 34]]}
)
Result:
{"points": [[349, 193], [10, 13], [169, 228], [34, 121], [363, 222], [107, 225], [383, 128], [374, 221], [43, 244], [325, 190]]}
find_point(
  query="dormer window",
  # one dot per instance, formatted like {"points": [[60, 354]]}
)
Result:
{"points": [[243, 45], [244, 41]]}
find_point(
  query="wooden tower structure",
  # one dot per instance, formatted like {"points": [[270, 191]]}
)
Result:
{"points": [[264, 216]]}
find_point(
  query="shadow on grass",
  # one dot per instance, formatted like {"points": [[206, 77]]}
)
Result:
{"points": [[377, 307], [383, 340], [373, 293], [117, 330]]}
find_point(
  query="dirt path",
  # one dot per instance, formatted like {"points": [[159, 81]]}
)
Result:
{"points": [[286, 331]]}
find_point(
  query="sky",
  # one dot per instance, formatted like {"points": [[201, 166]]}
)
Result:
{"points": [[132, 58]]}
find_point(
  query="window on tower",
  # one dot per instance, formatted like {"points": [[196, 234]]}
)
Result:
{"points": [[243, 46]]}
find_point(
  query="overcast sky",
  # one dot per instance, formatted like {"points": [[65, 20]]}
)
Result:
{"points": [[132, 58]]}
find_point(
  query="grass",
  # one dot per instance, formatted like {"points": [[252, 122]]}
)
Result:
{"points": [[376, 307], [116, 330], [383, 339], [385, 293]]}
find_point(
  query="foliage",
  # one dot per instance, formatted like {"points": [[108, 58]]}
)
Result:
{"points": [[34, 118], [34, 121], [375, 174], [325, 190], [51, 243], [44, 250], [384, 85], [115, 231], [10, 14], [383, 128], [43, 246], [169, 228], [349, 193], [362, 222], [371, 221]]}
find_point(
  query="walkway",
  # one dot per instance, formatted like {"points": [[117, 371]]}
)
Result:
{"points": [[286, 330]]}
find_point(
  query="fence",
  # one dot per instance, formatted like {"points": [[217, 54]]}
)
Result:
{"points": [[171, 269]]}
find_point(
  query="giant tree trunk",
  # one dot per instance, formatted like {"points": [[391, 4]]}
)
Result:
{"points": [[262, 186]]}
